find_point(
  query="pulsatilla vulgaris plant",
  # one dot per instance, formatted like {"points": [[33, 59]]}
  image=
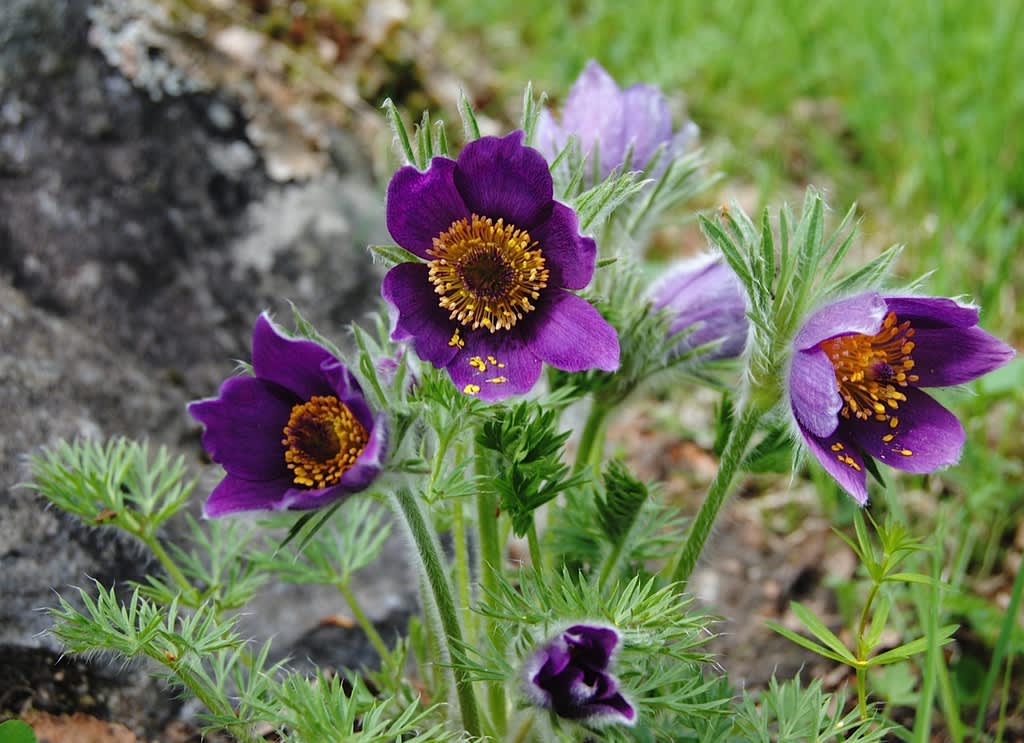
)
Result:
{"points": [[516, 295]]}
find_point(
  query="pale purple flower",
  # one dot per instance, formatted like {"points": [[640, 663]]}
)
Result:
{"points": [[707, 304], [491, 300], [856, 376], [609, 119], [298, 434], [569, 675]]}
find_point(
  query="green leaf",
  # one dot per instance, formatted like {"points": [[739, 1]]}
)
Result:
{"points": [[914, 647], [392, 255], [398, 127], [817, 628], [469, 122], [915, 578], [16, 731], [809, 644]]}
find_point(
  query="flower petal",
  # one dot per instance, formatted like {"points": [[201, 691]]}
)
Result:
{"points": [[369, 464], [647, 122], [593, 111], [933, 312], [292, 363], [234, 494], [568, 333], [862, 313], [613, 708], [346, 388], [707, 304], [813, 392], [841, 460], [407, 287], [493, 366], [244, 425], [499, 177], [947, 356], [548, 136], [928, 436], [420, 206], [569, 256], [595, 645], [683, 140]]}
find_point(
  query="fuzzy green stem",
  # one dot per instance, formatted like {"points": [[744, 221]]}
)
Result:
{"points": [[522, 733], [409, 509], [732, 458], [462, 576], [534, 543], [171, 568], [611, 561], [592, 439], [364, 621], [490, 569]]}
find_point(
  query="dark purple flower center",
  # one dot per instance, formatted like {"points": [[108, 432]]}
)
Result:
{"points": [[322, 441], [487, 273], [870, 370]]}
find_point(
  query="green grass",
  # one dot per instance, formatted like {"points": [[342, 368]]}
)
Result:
{"points": [[913, 109]]}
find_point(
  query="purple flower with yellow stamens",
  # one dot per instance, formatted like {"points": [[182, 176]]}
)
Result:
{"points": [[707, 305], [569, 675], [855, 378], [298, 434], [491, 301], [611, 120]]}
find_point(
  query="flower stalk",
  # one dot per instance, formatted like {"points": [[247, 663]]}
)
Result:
{"points": [[489, 570], [408, 508], [732, 458]]}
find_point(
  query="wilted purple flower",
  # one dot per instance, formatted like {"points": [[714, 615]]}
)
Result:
{"points": [[605, 117], [707, 305], [295, 435], [854, 382], [569, 675], [489, 304]]}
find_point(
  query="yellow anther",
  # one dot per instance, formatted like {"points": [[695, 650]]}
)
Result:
{"points": [[322, 440], [487, 273]]}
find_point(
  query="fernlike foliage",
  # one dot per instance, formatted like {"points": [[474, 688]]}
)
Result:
{"points": [[605, 550]]}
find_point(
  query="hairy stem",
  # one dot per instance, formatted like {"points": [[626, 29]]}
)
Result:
{"points": [[732, 458], [534, 542], [592, 439], [364, 621], [171, 568], [490, 569], [408, 508], [462, 576]]}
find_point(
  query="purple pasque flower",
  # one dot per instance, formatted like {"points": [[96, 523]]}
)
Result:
{"points": [[569, 675], [856, 376], [298, 434], [609, 119], [707, 304], [490, 302]]}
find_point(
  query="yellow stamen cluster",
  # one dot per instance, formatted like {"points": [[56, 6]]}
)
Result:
{"points": [[487, 273], [871, 369], [322, 441]]}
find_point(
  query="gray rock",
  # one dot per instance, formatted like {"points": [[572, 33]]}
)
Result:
{"points": [[139, 238]]}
